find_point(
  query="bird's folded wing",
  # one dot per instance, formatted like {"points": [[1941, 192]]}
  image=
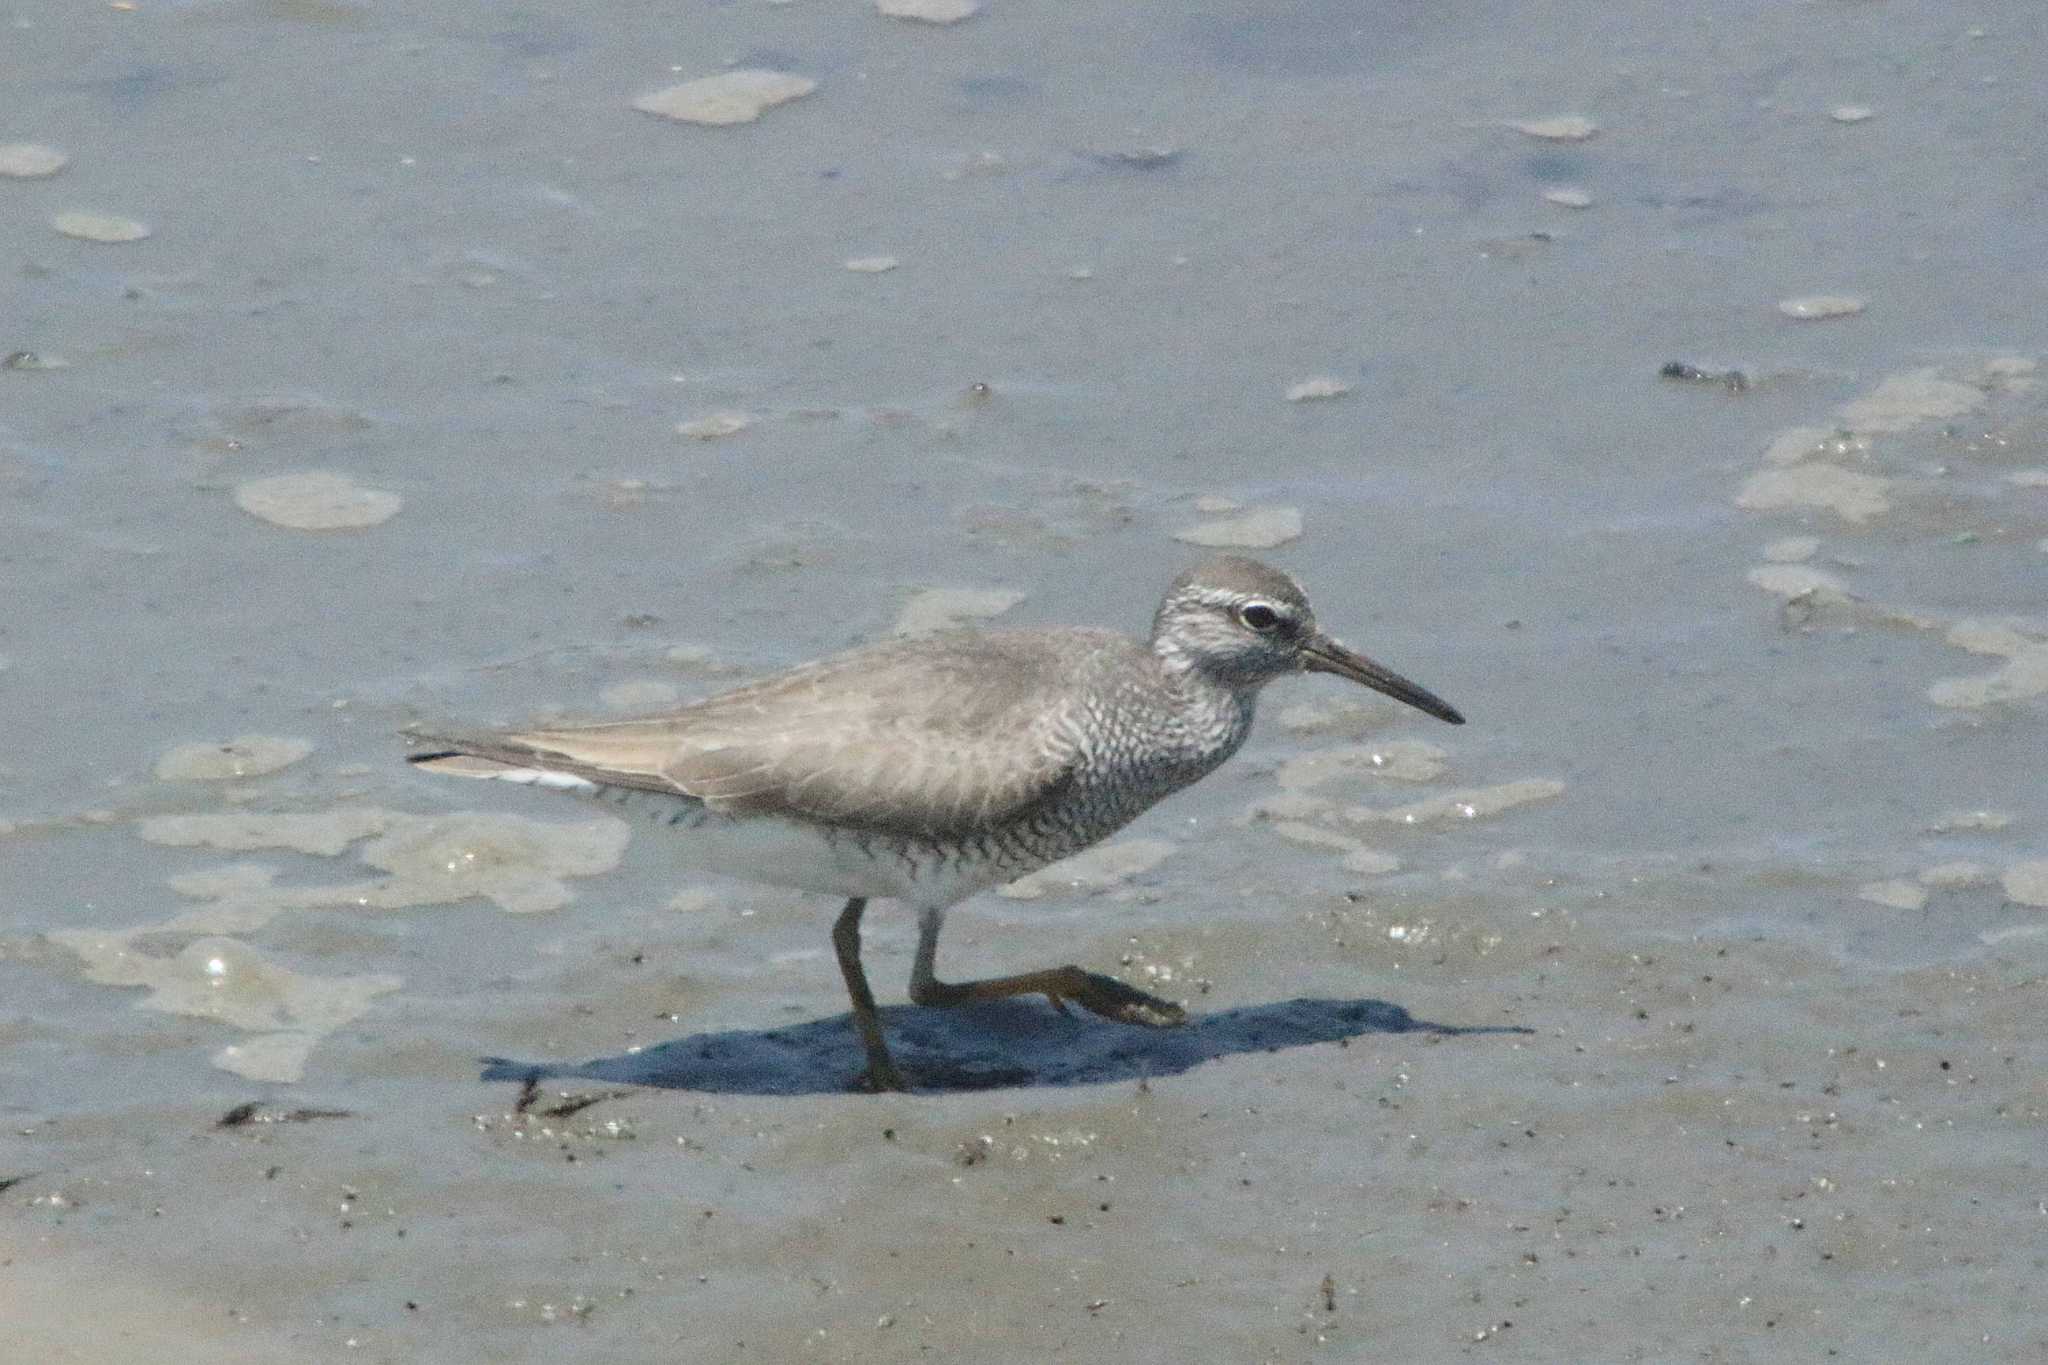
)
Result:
{"points": [[892, 740]]}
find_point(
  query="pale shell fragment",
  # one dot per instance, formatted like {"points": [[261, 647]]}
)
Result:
{"points": [[727, 98], [30, 160], [1563, 128], [715, 425], [928, 11], [1260, 528], [1815, 307], [99, 227], [317, 500], [2027, 883], [1322, 386]]}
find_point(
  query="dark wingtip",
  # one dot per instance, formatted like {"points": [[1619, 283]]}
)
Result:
{"points": [[431, 757]]}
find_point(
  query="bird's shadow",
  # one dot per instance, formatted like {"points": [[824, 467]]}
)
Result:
{"points": [[979, 1047]]}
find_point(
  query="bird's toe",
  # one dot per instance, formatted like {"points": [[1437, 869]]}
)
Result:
{"points": [[1113, 999]]}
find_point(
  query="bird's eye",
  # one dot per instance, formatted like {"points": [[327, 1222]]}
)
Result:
{"points": [[1258, 616]]}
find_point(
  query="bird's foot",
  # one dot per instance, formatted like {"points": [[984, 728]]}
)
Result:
{"points": [[1112, 999]]}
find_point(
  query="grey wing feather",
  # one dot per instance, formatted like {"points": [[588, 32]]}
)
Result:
{"points": [[932, 738]]}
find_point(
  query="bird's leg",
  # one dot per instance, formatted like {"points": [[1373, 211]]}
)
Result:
{"points": [[1103, 995], [881, 1073]]}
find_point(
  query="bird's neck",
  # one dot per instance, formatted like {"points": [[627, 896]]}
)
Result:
{"points": [[1221, 707]]}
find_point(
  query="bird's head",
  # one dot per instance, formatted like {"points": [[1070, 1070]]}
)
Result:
{"points": [[1243, 624]]}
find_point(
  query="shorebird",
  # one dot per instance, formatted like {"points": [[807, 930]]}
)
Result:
{"points": [[928, 768]]}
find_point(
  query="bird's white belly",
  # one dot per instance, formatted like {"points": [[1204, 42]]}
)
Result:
{"points": [[801, 856]]}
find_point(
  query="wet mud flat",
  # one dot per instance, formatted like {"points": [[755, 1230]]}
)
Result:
{"points": [[1661, 388], [1497, 1101], [1395, 1189]]}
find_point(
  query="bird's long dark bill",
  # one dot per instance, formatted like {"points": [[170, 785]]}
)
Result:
{"points": [[1324, 655]]}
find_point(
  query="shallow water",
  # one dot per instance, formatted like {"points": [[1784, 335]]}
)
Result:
{"points": [[1683, 1004]]}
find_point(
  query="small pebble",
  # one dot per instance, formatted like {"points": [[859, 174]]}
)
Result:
{"points": [[1569, 198], [1852, 113], [871, 265]]}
